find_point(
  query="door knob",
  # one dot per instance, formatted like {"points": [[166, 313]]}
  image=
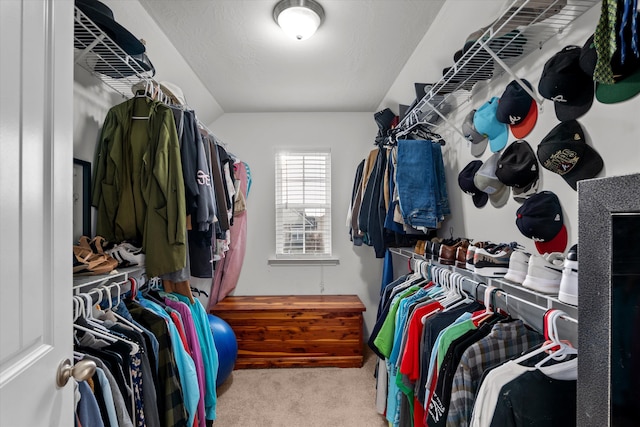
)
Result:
{"points": [[82, 370]]}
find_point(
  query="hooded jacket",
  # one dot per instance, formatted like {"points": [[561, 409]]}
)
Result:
{"points": [[138, 186]]}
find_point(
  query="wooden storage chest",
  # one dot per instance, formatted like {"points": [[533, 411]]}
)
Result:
{"points": [[295, 331]]}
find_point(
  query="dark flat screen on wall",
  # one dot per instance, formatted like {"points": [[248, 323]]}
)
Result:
{"points": [[625, 320]]}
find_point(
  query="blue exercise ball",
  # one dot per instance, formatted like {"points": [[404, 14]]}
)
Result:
{"points": [[227, 346]]}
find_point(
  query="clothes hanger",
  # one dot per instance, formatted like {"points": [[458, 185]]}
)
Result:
{"points": [[96, 333], [89, 307], [118, 299], [146, 94], [99, 331], [561, 352], [488, 311], [558, 350], [464, 298]]}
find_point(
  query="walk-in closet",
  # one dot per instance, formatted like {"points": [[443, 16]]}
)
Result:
{"points": [[389, 213]]}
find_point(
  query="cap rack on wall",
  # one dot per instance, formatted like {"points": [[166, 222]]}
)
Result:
{"points": [[97, 53], [489, 52]]}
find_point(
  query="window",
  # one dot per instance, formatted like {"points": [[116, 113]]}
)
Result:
{"points": [[303, 204]]}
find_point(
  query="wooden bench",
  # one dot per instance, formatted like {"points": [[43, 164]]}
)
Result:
{"points": [[295, 331]]}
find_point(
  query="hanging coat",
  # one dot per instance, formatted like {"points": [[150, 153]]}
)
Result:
{"points": [[138, 187]]}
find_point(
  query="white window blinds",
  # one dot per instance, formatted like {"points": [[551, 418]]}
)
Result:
{"points": [[303, 204]]}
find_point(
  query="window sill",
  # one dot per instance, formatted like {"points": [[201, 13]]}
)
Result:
{"points": [[303, 261]]}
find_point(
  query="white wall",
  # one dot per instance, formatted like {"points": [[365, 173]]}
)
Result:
{"points": [[613, 130], [254, 139]]}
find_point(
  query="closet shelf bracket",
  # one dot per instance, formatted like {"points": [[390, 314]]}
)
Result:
{"points": [[524, 27]]}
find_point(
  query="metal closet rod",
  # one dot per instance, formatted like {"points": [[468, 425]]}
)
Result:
{"points": [[525, 306]]}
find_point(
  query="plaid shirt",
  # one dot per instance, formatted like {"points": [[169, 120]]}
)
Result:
{"points": [[505, 341], [170, 402]]}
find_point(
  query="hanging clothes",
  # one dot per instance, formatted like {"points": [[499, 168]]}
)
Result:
{"points": [[228, 269], [436, 347], [138, 186]]}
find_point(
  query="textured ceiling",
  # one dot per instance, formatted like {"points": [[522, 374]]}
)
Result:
{"points": [[249, 65]]}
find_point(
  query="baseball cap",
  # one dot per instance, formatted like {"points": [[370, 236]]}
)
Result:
{"points": [[565, 83], [518, 168], [589, 56], [478, 140], [486, 123], [517, 109], [626, 75], [465, 181], [564, 151], [540, 218], [486, 180]]}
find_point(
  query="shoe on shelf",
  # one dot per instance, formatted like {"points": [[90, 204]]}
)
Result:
{"points": [[518, 266], [448, 251], [471, 250], [127, 254], [432, 248], [569, 283], [419, 247], [493, 261], [461, 256], [545, 273]]}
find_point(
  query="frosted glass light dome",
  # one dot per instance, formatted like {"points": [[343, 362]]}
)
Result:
{"points": [[299, 19]]}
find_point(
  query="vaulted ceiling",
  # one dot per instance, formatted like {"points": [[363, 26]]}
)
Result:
{"points": [[249, 65]]}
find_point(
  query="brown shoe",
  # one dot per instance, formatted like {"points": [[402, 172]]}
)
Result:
{"points": [[448, 252], [461, 256]]}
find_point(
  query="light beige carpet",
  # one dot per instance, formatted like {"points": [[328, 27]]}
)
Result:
{"points": [[300, 397]]}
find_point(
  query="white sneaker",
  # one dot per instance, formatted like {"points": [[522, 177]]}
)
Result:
{"points": [[569, 283], [126, 254], [518, 266], [545, 273]]}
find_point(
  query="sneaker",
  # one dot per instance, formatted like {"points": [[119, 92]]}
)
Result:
{"points": [[492, 261], [569, 284], [127, 254], [471, 251], [518, 266], [545, 273]]}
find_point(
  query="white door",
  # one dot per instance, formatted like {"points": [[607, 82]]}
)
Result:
{"points": [[36, 156]]}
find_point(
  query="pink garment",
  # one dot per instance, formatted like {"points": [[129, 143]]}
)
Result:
{"points": [[191, 335], [227, 269]]}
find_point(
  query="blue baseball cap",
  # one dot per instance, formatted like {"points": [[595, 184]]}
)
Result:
{"points": [[486, 123]]}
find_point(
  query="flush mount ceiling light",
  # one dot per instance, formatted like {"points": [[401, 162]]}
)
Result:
{"points": [[298, 18]]}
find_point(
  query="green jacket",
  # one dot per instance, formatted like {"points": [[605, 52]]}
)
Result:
{"points": [[138, 186]]}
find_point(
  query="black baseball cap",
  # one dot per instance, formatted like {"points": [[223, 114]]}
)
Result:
{"points": [[565, 83], [540, 218], [518, 168], [465, 181], [517, 109], [564, 151]]}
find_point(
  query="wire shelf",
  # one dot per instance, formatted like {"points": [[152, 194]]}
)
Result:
{"points": [[102, 57], [523, 28]]}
